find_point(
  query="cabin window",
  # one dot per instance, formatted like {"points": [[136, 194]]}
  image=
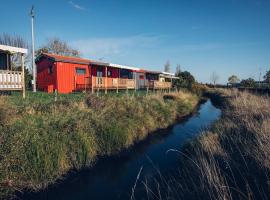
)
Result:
{"points": [[50, 69], [151, 76], [80, 71], [125, 73]]}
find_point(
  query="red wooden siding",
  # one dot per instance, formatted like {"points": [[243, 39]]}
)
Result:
{"points": [[67, 78], [46, 81]]}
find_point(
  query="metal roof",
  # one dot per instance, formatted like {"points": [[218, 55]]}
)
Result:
{"points": [[13, 49], [123, 66]]}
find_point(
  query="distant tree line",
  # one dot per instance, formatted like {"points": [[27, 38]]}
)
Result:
{"points": [[234, 81]]}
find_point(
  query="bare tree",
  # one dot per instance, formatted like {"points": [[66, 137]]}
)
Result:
{"points": [[15, 41], [178, 69], [167, 66], [214, 78], [59, 47]]}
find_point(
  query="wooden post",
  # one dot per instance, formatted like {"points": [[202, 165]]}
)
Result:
{"points": [[118, 80], [85, 84], [23, 81], [135, 82], [171, 85], [106, 79], [92, 84]]}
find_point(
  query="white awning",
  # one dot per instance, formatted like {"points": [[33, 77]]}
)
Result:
{"points": [[123, 66], [13, 49]]}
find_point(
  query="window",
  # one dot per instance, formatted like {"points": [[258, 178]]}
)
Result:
{"points": [[109, 73], [125, 73], [50, 69], [80, 71]]}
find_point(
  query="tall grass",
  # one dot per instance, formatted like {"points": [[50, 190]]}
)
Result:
{"points": [[229, 161], [41, 140]]}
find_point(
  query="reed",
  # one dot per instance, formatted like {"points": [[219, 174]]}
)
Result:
{"points": [[231, 160], [41, 140]]}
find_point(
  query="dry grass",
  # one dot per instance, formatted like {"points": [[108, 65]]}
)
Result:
{"points": [[229, 161], [41, 140]]}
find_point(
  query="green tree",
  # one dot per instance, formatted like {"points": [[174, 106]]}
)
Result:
{"points": [[267, 76], [233, 79], [250, 82], [186, 79]]}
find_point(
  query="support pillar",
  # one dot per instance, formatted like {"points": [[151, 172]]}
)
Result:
{"points": [[106, 79], [23, 79]]}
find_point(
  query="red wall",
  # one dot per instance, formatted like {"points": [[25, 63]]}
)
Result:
{"points": [[45, 81], [67, 79], [63, 78]]}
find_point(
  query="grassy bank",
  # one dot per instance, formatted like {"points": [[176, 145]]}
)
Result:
{"points": [[229, 161], [41, 140]]}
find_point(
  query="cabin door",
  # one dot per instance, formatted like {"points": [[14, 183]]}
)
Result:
{"points": [[99, 78]]}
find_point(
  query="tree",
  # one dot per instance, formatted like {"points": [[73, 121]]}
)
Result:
{"points": [[178, 70], [250, 82], [167, 66], [59, 47], [214, 78], [233, 79], [267, 76], [185, 80]]}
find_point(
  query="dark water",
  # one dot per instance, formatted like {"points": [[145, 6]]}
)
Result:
{"points": [[114, 177]]}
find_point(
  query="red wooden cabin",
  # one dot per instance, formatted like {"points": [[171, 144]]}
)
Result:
{"points": [[68, 74]]}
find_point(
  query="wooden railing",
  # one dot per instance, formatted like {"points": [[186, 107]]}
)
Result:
{"points": [[159, 85], [11, 80], [106, 83]]}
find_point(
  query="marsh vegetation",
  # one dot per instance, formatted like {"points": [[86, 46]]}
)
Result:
{"points": [[41, 140], [228, 161]]}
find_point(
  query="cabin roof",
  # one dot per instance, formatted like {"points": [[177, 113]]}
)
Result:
{"points": [[12, 49], [59, 58], [123, 67], [152, 72]]}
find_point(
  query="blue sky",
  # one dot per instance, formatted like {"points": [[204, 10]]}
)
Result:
{"points": [[222, 36]]}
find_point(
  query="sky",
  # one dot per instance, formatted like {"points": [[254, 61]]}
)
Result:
{"points": [[203, 36]]}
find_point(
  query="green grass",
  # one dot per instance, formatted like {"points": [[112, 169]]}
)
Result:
{"points": [[41, 140]]}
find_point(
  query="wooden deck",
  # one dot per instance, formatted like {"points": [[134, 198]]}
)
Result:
{"points": [[104, 83], [10, 80]]}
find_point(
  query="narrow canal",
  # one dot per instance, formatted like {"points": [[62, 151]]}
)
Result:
{"points": [[113, 178]]}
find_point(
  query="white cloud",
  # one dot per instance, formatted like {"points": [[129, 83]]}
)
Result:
{"points": [[110, 46], [77, 6]]}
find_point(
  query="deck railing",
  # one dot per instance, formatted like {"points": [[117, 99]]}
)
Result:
{"points": [[159, 85], [106, 83], [11, 80]]}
